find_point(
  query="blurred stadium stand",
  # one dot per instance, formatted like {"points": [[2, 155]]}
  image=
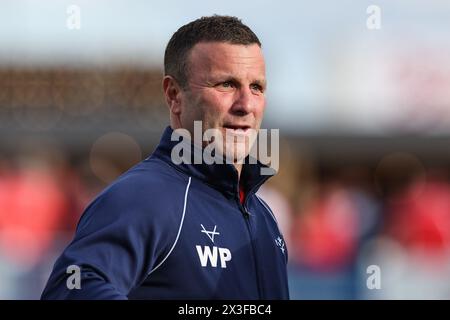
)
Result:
{"points": [[334, 194]]}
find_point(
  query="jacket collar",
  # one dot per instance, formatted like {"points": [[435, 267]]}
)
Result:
{"points": [[223, 177]]}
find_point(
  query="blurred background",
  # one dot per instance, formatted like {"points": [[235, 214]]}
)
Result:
{"points": [[361, 96]]}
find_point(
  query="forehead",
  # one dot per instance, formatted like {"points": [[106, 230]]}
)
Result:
{"points": [[218, 57]]}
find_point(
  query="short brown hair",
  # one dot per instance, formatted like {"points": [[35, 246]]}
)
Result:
{"points": [[205, 29]]}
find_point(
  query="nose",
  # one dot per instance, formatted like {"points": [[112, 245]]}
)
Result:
{"points": [[243, 103]]}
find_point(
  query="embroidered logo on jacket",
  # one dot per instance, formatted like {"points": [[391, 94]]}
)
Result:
{"points": [[280, 243], [210, 234], [212, 255]]}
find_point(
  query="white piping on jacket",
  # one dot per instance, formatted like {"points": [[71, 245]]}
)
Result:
{"points": [[179, 229], [268, 209]]}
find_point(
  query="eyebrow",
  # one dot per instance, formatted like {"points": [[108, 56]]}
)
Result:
{"points": [[262, 83], [228, 77]]}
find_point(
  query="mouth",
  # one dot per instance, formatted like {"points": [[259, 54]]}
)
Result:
{"points": [[237, 128]]}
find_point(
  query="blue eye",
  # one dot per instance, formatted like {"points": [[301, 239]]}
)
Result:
{"points": [[257, 87], [226, 85]]}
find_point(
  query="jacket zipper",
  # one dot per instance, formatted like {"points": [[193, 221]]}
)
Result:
{"points": [[246, 215]]}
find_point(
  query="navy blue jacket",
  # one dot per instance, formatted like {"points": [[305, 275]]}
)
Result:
{"points": [[167, 231]]}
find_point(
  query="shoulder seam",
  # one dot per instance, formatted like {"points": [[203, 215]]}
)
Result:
{"points": [[179, 229]]}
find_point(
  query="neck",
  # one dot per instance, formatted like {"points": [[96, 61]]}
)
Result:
{"points": [[238, 166]]}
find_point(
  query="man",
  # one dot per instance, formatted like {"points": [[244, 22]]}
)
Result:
{"points": [[170, 229]]}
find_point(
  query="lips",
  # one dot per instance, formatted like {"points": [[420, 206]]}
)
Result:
{"points": [[237, 127]]}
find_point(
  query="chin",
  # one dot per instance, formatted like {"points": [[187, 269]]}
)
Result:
{"points": [[237, 152]]}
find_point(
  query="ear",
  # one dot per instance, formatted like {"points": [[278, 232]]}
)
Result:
{"points": [[172, 93]]}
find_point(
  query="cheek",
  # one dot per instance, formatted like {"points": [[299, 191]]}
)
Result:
{"points": [[195, 108], [260, 108], [216, 106]]}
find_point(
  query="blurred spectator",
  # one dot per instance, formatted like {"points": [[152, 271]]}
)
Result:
{"points": [[32, 209], [420, 217], [329, 231], [326, 233], [414, 252]]}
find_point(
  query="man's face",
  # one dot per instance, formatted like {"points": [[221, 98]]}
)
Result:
{"points": [[225, 90]]}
